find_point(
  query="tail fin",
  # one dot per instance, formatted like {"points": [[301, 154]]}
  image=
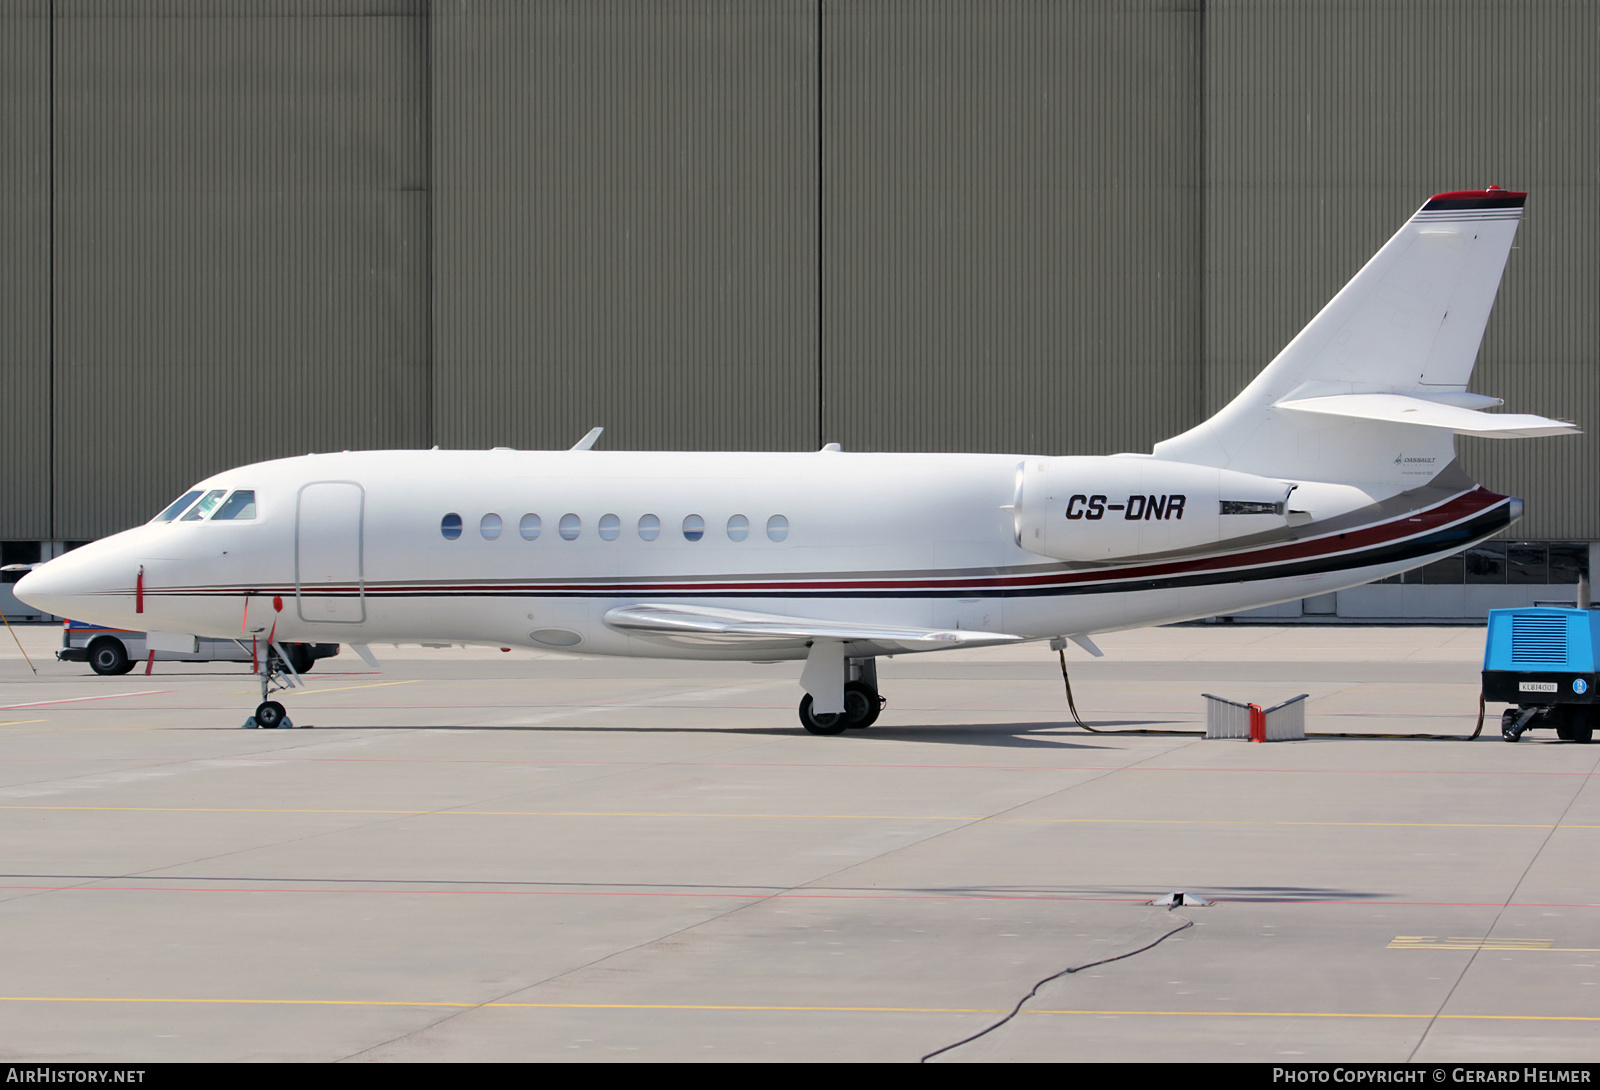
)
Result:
{"points": [[1374, 388]]}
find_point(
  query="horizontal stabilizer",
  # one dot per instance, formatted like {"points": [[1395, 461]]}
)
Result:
{"points": [[1428, 413], [703, 625]]}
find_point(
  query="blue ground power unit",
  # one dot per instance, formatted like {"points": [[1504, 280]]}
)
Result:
{"points": [[1544, 661]]}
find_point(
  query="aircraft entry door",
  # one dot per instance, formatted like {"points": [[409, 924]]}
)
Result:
{"points": [[329, 583]]}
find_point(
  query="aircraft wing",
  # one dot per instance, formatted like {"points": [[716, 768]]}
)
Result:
{"points": [[704, 626]]}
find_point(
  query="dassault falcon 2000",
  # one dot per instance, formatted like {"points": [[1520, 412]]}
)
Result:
{"points": [[1334, 467]]}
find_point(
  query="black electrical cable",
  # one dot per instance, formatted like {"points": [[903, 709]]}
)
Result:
{"points": [[1055, 976], [1078, 719]]}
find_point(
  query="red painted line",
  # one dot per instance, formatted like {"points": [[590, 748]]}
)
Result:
{"points": [[80, 699], [269, 759], [572, 893], [788, 895]]}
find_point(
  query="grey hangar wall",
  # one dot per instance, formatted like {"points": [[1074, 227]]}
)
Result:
{"points": [[232, 232]]}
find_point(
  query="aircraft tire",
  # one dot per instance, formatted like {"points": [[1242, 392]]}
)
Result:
{"points": [[872, 704], [270, 714], [108, 657], [821, 723]]}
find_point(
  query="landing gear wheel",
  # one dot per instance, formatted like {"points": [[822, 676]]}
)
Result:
{"points": [[270, 714], [863, 712], [823, 722], [1508, 725], [861, 708], [107, 657]]}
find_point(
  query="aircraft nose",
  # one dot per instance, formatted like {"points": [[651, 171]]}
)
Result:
{"points": [[66, 586], [43, 589]]}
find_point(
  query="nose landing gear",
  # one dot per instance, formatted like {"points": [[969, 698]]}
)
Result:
{"points": [[277, 672], [269, 714]]}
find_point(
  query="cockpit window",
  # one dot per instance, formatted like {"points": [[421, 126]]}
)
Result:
{"points": [[241, 505], [203, 508], [178, 506]]}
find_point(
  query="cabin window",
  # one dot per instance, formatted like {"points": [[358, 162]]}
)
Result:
{"points": [[239, 507], [777, 528], [450, 526], [738, 528], [489, 526], [610, 527], [529, 527], [179, 506], [649, 527], [203, 508], [694, 527], [571, 527]]}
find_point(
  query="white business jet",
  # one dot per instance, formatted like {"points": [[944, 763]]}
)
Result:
{"points": [[1334, 467]]}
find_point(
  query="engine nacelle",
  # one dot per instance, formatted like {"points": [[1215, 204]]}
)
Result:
{"points": [[1130, 506]]}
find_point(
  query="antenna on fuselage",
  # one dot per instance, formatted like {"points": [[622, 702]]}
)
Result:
{"points": [[587, 442]]}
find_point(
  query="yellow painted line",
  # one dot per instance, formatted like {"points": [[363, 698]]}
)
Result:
{"points": [[311, 690], [780, 1009], [100, 730], [1473, 939], [20, 722], [1430, 942], [694, 814]]}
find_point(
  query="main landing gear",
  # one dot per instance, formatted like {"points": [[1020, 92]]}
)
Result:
{"points": [[862, 704], [277, 672]]}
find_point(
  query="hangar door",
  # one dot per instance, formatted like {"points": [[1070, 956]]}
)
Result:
{"points": [[329, 582]]}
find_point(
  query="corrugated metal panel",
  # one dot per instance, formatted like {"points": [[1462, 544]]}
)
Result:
{"points": [[240, 249], [1328, 123], [625, 223], [1011, 225], [234, 9], [25, 270]]}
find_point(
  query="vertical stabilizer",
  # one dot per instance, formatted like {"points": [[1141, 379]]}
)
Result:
{"points": [[1374, 388]]}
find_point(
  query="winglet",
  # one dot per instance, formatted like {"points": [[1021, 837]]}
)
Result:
{"points": [[587, 442]]}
